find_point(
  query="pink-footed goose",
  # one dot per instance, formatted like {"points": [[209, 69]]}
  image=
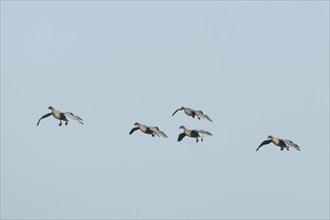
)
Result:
{"points": [[148, 130], [282, 143], [62, 116], [193, 113], [192, 133]]}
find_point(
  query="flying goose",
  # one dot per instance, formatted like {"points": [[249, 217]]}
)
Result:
{"points": [[148, 130], [192, 133], [193, 113], [62, 116], [282, 143]]}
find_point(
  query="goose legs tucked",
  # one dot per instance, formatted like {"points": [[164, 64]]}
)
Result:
{"points": [[193, 114], [63, 118], [66, 123]]}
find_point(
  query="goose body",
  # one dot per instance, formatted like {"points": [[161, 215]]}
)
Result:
{"points": [[148, 130], [193, 113], [62, 116], [282, 143], [192, 133]]}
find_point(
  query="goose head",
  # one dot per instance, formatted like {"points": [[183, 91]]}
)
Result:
{"points": [[136, 123], [269, 136], [182, 127], [50, 107]]}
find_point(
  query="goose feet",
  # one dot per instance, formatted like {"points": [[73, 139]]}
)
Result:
{"points": [[60, 124]]}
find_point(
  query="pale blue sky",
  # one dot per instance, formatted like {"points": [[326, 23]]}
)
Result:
{"points": [[255, 67]]}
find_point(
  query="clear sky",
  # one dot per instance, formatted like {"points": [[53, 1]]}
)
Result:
{"points": [[254, 67]]}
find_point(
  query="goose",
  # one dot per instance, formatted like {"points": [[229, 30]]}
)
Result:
{"points": [[62, 116], [282, 143], [193, 113], [192, 133], [148, 130]]}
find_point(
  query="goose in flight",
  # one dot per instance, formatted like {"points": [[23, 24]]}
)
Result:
{"points": [[193, 113], [282, 143], [62, 116], [192, 133], [148, 130]]}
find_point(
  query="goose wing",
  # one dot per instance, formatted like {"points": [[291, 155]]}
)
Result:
{"points": [[133, 129], [181, 136], [201, 115], [176, 111], [158, 132], [44, 116], [291, 144], [203, 132], [74, 117], [264, 143]]}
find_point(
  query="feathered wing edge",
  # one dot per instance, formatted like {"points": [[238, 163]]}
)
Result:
{"points": [[44, 116], [203, 132], [74, 117], [134, 129], [158, 132], [176, 111], [181, 136], [201, 115], [264, 143], [291, 144]]}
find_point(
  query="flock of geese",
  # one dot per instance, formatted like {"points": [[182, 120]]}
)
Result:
{"points": [[155, 131], [186, 132]]}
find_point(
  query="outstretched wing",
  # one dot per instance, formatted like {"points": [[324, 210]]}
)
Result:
{"points": [[203, 132], [176, 111], [158, 132], [181, 136], [201, 115], [44, 116], [133, 129], [264, 143], [74, 117], [291, 144]]}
